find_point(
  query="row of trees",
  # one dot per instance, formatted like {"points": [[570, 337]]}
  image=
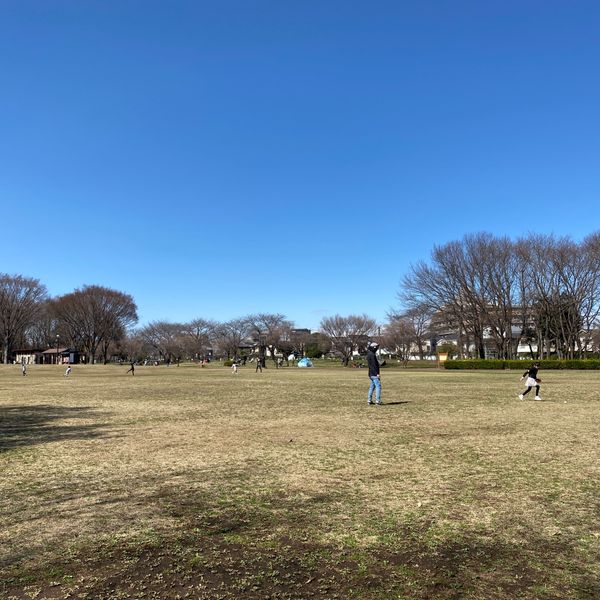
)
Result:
{"points": [[98, 321], [540, 290], [92, 319], [491, 292], [262, 333]]}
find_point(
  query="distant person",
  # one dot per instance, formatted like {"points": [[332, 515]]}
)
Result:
{"points": [[131, 368], [24, 368], [68, 371], [258, 365], [234, 368], [373, 374], [531, 380]]}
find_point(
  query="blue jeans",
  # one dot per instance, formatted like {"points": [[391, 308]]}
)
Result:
{"points": [[375, 385]]}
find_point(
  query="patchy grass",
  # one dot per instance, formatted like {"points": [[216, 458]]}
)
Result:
{"points": [[189, 482]]}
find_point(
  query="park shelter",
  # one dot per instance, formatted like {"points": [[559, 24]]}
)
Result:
{"points": [[52, 356], [62, 356]]}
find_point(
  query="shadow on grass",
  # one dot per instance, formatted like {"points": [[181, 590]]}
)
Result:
{"points": [[397, 403], [28, 425], [272, 548]]}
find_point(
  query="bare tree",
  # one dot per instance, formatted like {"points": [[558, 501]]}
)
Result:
{"points": [[21, 299], [95, 314], [495, 292], [199, 335], [398, 336], [478, 284], [498, 277], [299, 341], [565, 279], [135, 347], [348, 334], [269, 330], [167, 339], [413, 323], [590, 307], [42, 332], [229, 336], [437, 287]]}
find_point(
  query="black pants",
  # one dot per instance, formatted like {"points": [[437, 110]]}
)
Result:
{"points": [[537, 390]]}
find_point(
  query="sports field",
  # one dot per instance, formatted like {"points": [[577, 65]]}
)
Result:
{"points": [[189, 482]]}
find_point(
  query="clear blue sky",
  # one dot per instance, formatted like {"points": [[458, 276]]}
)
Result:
{"points": [[219, 158]]}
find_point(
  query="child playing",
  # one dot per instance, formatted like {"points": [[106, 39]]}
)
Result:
{"points": [[531, 381]]}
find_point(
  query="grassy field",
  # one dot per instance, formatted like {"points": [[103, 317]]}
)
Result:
{"points": [[189, 482]]}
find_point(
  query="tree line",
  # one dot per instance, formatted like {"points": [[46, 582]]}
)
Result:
{"points": [[539, 290], [92, 318], [99, 322], [492, 292]]}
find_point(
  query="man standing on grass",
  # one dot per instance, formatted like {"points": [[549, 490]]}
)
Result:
{"points": [[374, 374]]}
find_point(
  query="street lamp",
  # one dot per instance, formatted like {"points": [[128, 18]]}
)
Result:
{"points": [[57, 341]]}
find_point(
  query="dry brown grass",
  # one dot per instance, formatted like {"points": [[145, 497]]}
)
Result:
{"points": [[285, 484]]}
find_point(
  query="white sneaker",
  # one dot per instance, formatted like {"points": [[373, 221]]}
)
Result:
{"points": [[537, 398], [520, 396]]}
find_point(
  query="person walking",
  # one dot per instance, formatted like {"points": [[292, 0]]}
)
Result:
{"points": [[234, 368], [373, 374], [24, 367], [131, 368], [531, 380], [68, 371], [258, 365]]}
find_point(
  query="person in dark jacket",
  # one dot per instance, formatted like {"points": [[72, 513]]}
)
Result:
{"points": [[531, 380], [373, 374]]}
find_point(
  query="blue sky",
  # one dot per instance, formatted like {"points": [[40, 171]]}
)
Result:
{"points": [[217, 159]]}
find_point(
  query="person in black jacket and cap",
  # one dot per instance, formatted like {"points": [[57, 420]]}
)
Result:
{"points": [[374, 374]]}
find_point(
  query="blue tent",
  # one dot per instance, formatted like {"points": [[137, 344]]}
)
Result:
{"points": [[305, 362]]}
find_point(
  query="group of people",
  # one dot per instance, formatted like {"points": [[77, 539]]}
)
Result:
{"points": [[24, 369], [531, 377], [235, 366], [374, 393]]}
